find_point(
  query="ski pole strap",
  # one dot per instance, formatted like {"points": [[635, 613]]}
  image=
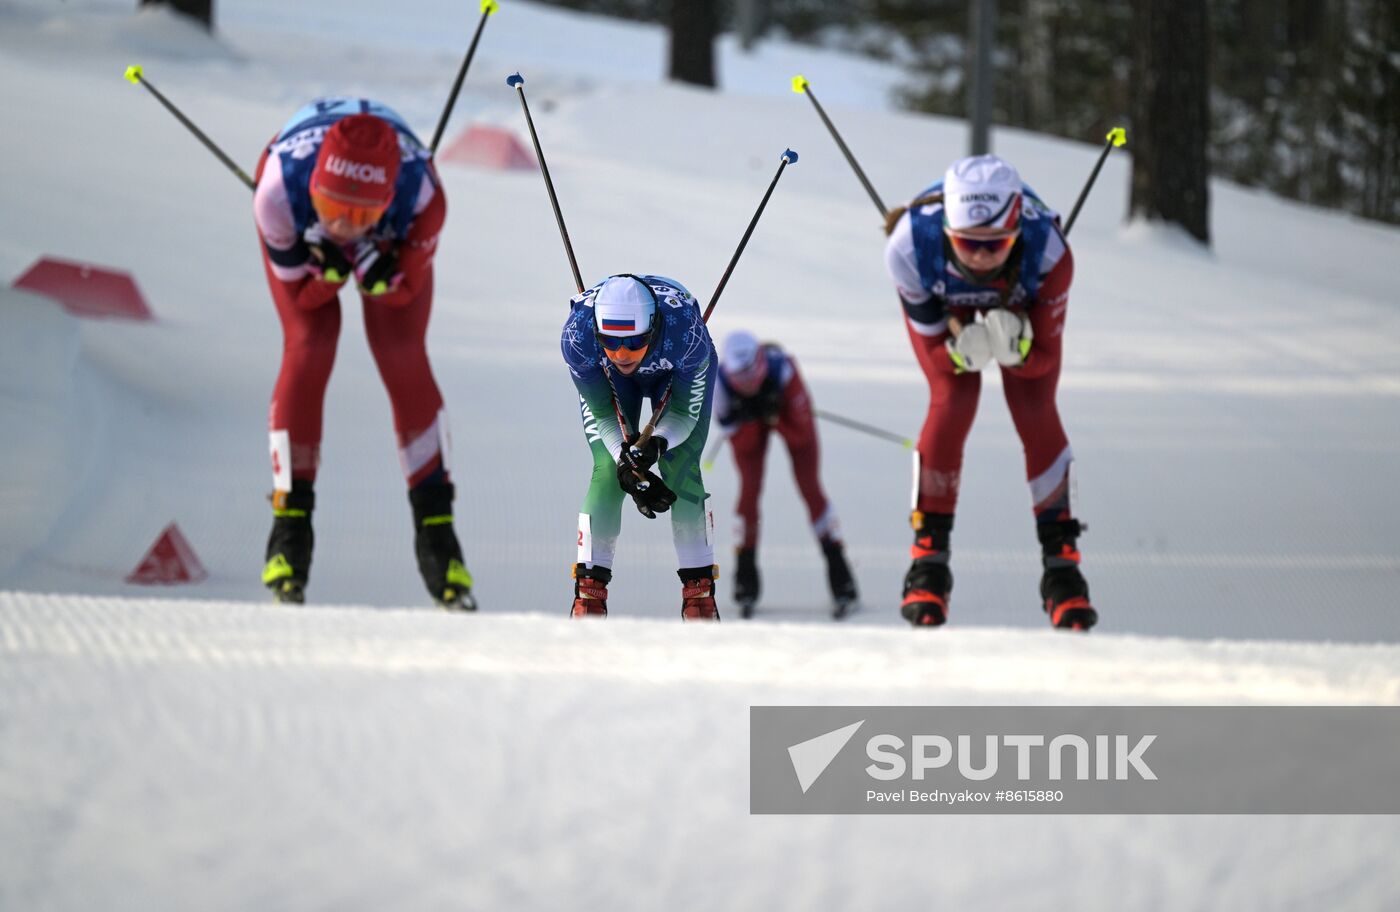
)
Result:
{"points": [[487, 8], [135, 76], [1116, 137], [517, 82], [788, 158], [801, 86]]}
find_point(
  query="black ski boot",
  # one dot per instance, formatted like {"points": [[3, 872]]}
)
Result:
{"points": [[289, 545], [435, 544], [1064, 593], [590, 591], [929, 581], [839, 578], [746, 584]]}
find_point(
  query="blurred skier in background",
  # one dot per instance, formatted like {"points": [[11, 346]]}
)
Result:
{"points": [[984, 272], [761, 392], [626, 338], [347, 195]]}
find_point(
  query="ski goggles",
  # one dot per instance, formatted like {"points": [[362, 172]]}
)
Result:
{"points": [[345, 216], [965, 245], [638, 342]]}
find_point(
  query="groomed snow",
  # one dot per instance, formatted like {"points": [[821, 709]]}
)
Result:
{"points": [[1235, 416]]}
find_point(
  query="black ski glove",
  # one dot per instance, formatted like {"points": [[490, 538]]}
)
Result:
{"points": [[648, 492], [657, 498], [328, 263], [644, 457], [377, 272]]}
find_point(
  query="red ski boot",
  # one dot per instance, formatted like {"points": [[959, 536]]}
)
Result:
{"points": [[698, 594], [591, 591]]}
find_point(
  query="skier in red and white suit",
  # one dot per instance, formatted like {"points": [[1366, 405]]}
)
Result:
{"points": [[346, 194], [984, 272], [760, 392]]}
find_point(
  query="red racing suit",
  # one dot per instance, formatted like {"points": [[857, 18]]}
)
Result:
{"points": [[395, 323], [1029, 389], [781, 404]]}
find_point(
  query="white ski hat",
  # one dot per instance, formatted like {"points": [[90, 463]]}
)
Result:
{"points": [[981, 191], [623, 306], [740, 350]]}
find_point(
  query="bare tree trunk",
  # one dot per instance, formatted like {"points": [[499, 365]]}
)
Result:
{"points": [[694, 24], [201, 10], [1171, 114], [1038, 63]]}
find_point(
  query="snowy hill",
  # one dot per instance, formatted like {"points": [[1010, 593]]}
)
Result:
{"points": [[1235, 417]]}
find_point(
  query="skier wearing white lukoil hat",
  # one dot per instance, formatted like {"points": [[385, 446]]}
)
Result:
{"points": [[627, 338], [760, 392], [981, 244]]}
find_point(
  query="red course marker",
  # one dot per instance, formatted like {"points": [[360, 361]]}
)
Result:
{"points": [[86, 290], [170, 561]]}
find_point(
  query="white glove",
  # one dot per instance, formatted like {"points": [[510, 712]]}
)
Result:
{"points": [[972, 349], [1009, 335]]}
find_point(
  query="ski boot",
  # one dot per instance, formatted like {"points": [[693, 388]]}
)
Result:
{"points": [[435, 544], [929, 581], [1064, 593], [746, 584], [698, 594], [838, 577], [590, 591], [289, 546]]}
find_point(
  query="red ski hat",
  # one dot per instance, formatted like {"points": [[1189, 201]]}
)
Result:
{"points": [[358, 163]]}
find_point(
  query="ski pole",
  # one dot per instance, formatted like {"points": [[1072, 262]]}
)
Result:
{"points": [[1116, 137], [801, 86], [518, 83], [487, 8], [135, 77], [864, 428], [788, 157], [709, 462], [873, 431]]}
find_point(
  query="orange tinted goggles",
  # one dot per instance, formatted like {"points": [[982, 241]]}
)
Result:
{"points": [[625, 354], [967, 245], [357, 216]]}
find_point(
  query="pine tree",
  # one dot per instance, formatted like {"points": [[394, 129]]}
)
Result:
{"points": [[1170, 121], [200, 10]]}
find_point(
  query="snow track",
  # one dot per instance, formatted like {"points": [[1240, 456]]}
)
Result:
{"points": [[278, 758], [1236, 444]]}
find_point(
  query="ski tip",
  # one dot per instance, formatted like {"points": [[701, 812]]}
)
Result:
{"points": [[133, 73], [789, 156], [489, 6], [799, 83], [515, 80], [1118, 136]]}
